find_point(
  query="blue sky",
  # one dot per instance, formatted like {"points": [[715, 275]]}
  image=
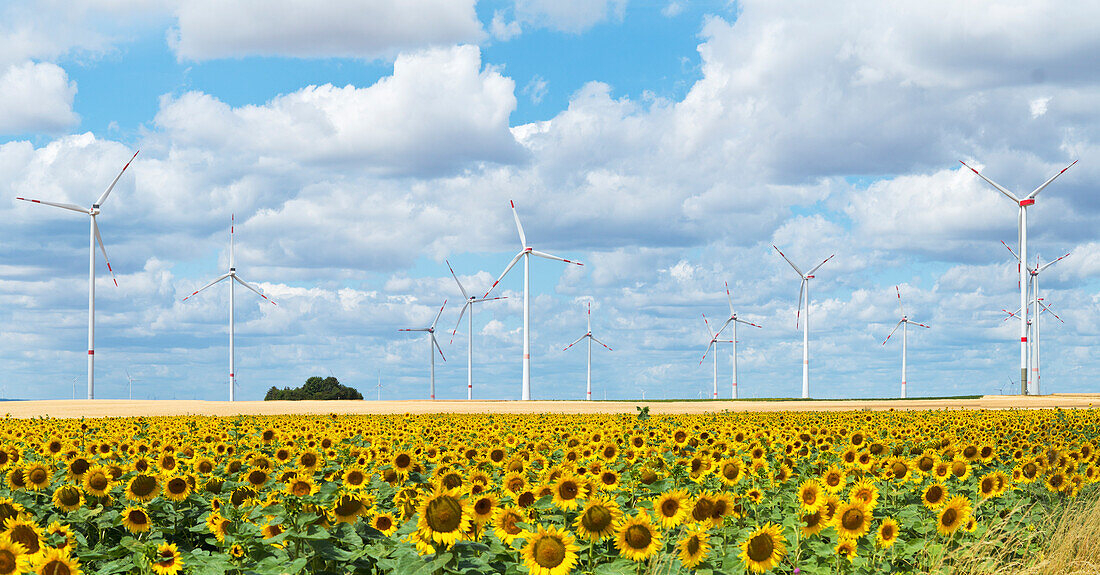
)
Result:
{"points": [[667, 145]]}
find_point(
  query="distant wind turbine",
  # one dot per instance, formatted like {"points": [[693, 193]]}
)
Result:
{"points": [[591, 338], [470, 301], [1021, 220], [732, 321], [130, 383], [380, 382], [714, 341], [93, 238], [903, 323], [433, 345], [526, 254], [804, 290], [232, 276], [1034, 325]]}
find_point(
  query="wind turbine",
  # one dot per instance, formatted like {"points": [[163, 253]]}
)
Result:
{"points": [[526, 254], [1027, 200], [903, 323], [732, 320], [130, 380], [380, 382], [93, 238], [804, 290], [432, 346], [470, 301], [714, 341], [232, 276], [591, 338], [1036, 299]]}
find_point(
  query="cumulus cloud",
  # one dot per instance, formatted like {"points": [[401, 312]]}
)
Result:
{"points": [[573, 16], [209, 29], [38, 97]]}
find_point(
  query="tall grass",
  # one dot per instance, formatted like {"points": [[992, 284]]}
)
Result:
{"points": [[1066, 542]]}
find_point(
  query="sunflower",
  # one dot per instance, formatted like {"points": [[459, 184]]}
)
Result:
{"points": [[167, 462], [550, 551], [608, 480], [26, 533], [68, 498], [218, 525], [730, 471], [37, 476], [136, 520], [97, 481], [567, 489], [514, 483], [887, 533], [167, 560], [809, 494], [385, 523], [56, 528], [17, 479], [444, 516], [865, 492], [934, 495], [257, 478], [693, 547], [702, 509], [812, 523], [177, 488], [142, 488], [670, 508], [953, 515], [636, 538], [484, 506], [354, 478], [960, 468], [403, 462], [309, 460], [899, 469], [846, 548], [236, 551], [12, 556], [763, 548], [270, 529], [301, 487], [852, 520], [57, 562], [833, 479], [504, 524], [347, 508], [203, 465], [598, 519]]}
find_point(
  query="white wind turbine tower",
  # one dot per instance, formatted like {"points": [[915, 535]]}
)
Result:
{"points": [[733, 320], [432, 346], [591, 338], [903, 323], [93, 238], [1033, 324], [714, 341], [804, 290], [232, 276], [526, 254], [380, 383], [470, 301], [1027, 200], [130, 383]]}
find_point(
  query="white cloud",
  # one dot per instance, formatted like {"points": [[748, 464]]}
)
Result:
{"points": [[536, 89], [439, 110], [1039, 106], [209, 29], [504, 31], [569, 15], [37, 97]]}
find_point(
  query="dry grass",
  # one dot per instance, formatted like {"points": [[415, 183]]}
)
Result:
{"points": [[1067, 541]]}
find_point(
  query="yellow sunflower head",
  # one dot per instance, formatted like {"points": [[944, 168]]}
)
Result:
{"points": [[12, 556], [57, 562], [954, 514], [637, 538], [598, 519], [550, 551], [444, 516], [136, 520], [693, 546], [763, 548], [887, 533], [506, 524], [166, 560], [671, 508], [851, 520]]}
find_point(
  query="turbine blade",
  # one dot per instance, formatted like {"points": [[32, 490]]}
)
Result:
{"points": [[107, 192], [892, 332], [920, 324], [414, 329], [249, 286], [900, 307], [103, 249], [504, 273], [801, 292], [601, 343], [72, 207], [721, 329], [232, 224], [1048, 264], [460, 288], [220, 278], [440, 349], [1051, 312], [481, 299], [439, 314], [706, 352], [729, 298], [1000, 188], [575, 342], [553, 257], [1047, 183], [1011, 251], [459, 322], [709, 331], [818, 266], [519, 226], [788, 260], [739, 320]]}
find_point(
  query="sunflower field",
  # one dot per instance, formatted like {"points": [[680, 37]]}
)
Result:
{"points": [[838, 492]]}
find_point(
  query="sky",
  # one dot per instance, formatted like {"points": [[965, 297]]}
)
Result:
{"points": [[666, 145]]}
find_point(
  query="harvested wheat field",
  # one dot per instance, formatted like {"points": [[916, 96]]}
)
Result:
{"points": [[131, 408]]}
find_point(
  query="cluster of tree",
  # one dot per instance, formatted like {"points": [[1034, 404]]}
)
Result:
{"points": [[314, 388]]}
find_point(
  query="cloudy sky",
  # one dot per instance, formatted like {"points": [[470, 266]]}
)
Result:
{"points": [[665, 145]]}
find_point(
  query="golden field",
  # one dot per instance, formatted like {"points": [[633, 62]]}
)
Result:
{"points": [[679, 488]]}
